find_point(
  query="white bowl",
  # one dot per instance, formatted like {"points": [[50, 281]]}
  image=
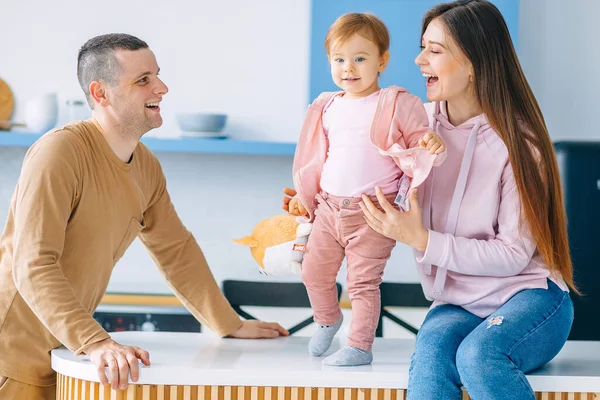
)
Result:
{"points": [[201, 122], [202, 134]]}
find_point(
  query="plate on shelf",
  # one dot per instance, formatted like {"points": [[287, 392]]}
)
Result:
{"points": [[203, 135]]}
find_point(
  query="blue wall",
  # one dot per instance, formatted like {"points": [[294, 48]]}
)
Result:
{"points": [[403, 19]]}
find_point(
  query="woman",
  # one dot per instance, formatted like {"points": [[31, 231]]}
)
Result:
{"points": [[490, 238]]}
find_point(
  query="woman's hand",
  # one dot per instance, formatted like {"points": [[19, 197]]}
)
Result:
{"points": [[406, 227]]}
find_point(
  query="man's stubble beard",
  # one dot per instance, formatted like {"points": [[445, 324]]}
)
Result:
{"points": [[134, 126]]}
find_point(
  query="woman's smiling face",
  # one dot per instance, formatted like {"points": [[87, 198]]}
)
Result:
{"points": [[447, 70]]}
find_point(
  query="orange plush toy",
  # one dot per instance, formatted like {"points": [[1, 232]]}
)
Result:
{"points": [[278, 244]]}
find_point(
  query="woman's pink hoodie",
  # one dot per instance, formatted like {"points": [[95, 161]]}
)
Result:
{"points": [[479, 254]]}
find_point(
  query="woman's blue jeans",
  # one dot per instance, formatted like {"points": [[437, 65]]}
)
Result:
{"points": [[490, 356]]}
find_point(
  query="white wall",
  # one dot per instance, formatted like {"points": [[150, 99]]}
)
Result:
{"points": [[558, 48], [247, 59]]}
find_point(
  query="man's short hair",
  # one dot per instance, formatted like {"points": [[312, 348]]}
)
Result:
{"points": [[96, 60]]}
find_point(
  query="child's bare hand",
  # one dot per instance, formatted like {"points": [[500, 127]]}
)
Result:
{"points": [[433, 143], [289, 195], [297, 208]]}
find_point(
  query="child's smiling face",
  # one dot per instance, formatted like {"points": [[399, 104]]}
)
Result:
{"points": [[355, 66]]}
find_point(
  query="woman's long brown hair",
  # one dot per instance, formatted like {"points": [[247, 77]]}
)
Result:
{"points": [[480, 31]]}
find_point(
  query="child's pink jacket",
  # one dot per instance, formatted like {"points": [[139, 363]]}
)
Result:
{"points": [[400, 121]]}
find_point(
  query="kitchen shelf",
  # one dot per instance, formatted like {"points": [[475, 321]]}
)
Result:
{"points": [[178, 145]]}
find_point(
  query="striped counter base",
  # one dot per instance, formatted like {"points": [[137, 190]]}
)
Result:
{"points": [[75, 389], [202, 367]]}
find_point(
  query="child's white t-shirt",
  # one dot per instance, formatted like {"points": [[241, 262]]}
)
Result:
{"points": [[354, 165]]}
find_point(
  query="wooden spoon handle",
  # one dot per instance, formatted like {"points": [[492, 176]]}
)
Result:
{"points": [[7, 125]]}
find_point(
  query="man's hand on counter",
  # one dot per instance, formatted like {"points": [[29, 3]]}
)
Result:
{"points": [[259, 330], [120, 360]]}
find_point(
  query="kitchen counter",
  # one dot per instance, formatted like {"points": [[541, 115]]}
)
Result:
{"points": [[199, 366]]}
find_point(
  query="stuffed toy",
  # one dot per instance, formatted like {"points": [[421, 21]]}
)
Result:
{"points": [[278, 244]]}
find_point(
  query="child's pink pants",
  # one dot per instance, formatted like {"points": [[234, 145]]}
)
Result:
{"points": [[340, 230]]}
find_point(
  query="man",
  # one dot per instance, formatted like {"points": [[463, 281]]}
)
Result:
{"points": [[85, 192]]}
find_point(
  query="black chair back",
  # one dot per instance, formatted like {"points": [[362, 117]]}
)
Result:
{"points": [[269, 294], [400, 295]]}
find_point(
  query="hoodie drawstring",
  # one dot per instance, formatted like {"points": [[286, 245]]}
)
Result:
{"points": [[457, 198]]}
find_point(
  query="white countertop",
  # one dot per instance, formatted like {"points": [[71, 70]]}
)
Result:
{"points": [[201, 359]]}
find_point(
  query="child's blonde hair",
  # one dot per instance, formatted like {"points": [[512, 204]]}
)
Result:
{"points": [[367, 25]]}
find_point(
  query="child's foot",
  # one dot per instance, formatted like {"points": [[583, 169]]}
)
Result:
{"points": [[322, 338], [349, 357]]}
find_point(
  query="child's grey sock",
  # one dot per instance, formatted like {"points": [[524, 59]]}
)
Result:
{"points": [[322, 338], [349, 357]]}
